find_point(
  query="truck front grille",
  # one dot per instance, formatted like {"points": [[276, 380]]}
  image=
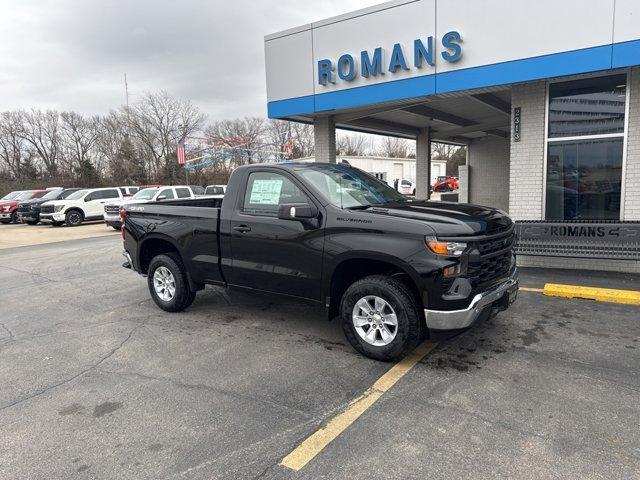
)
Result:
{"points": [[46, 209], [24, 208], [111, 209], [494, 260]]}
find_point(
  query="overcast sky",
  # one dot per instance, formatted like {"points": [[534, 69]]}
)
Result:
{"points": [[72, 54]]}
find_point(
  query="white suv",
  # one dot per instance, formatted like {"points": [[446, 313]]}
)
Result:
{"points": [[86, 204], [111, 212]]}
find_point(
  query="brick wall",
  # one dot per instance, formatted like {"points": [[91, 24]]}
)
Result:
{"points": [[324, 136], [632, 170], [423, 164], [527, 155], [488, 181]]}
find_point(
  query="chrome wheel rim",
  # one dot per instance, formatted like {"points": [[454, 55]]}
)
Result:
{"points": [[74, 218], [164, 283], [375, 321]]}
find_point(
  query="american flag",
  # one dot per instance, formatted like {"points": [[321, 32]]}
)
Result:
{"points": [[182, 159]]}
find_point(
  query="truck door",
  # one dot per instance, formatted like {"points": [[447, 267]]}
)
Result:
{"points": [[283, 256]]}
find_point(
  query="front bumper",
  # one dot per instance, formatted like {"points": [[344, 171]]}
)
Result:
{"points": [[28, 215], [52, 217], [492, 298], [5, 216]]}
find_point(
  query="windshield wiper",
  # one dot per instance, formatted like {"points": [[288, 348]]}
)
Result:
{"points": [[362, 207]]}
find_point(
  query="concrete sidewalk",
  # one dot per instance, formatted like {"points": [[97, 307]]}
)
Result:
{"points": [[537, 277]]}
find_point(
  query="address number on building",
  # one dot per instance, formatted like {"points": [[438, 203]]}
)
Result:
{"points": [[516, 123]]}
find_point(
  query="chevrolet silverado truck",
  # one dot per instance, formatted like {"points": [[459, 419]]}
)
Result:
{"points": [[392, 269]]}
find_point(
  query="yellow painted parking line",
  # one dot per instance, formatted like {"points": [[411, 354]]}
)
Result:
{"points": [[314, 444], [630, 297], [529, 289]]}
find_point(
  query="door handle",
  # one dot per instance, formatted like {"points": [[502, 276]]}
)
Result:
{"points": [[242, 228]]}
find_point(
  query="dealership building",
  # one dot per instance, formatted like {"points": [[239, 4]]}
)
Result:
{"points": [[545, 96]]}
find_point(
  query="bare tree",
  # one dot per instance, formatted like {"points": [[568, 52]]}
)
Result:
{"points": [[41, 130], [278, 133], [394, 147], [350, 145], [78, 136], [239, 141], [443, 151], [12, 145], [159, 121], [303, 140]]}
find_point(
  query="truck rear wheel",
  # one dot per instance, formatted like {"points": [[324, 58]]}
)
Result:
{"points": [[168, 284], [380, 318]]}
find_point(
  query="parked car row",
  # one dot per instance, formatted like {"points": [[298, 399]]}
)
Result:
{"points": [[72, 206], [111, 212]]}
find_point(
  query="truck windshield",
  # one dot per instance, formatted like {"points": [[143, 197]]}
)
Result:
{"points": [[145, 194], [77, 195], [10, 196], [52, 195], [348, 187]]}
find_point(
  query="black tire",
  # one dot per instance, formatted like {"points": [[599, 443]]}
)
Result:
{"points": [[183, 296], [14, 218], [73, 218], [115, 228], [57, 224], [31, 222], [5, 222], [409, 331]]}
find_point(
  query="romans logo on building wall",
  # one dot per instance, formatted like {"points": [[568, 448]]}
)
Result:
{"points": [[372, 64]]}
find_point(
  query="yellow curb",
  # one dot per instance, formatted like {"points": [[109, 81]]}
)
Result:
{"points": [[629, 297]]}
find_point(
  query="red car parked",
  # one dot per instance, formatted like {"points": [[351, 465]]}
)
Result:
{"points": [[9, 207]]}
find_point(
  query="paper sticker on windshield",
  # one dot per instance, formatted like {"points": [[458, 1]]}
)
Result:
{"points": [[265, 192]]}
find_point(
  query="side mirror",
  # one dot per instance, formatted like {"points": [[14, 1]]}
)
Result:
{"points": [[161, 197], [297, 211], [88, 198]]}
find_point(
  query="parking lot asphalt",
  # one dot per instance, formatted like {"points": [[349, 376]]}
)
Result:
{"points": [[99, 383]]}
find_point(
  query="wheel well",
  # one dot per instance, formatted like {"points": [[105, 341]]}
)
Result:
{"points": [[352, 270], [152, 248], [77, 209]]}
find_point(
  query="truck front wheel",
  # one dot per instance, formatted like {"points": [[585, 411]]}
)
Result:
{"points": [[380, 318], [168, 284]]}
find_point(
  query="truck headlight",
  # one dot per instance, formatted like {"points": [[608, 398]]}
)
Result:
{"points": [[447, 249], [58, 208]]}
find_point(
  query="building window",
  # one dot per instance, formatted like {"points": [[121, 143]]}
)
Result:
{"points": [[585, 148]]}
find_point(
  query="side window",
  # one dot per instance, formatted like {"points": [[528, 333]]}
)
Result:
{"points": [[91, 196], [109, 194], [168, 194], [267, 191], [183, 192]]}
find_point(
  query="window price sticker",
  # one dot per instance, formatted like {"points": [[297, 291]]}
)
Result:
{"points": [[265, 192]]}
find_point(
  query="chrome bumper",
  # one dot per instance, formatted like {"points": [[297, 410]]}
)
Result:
{"points": [[456, 319]]}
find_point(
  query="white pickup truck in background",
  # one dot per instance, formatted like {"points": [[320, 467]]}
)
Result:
{"points": [[111, 213]]}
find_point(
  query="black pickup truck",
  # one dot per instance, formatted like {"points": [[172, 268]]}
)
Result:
{"points": [[391, 268]]}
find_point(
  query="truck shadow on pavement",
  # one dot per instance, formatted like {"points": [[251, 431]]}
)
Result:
{"points": [[540, 324]]}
